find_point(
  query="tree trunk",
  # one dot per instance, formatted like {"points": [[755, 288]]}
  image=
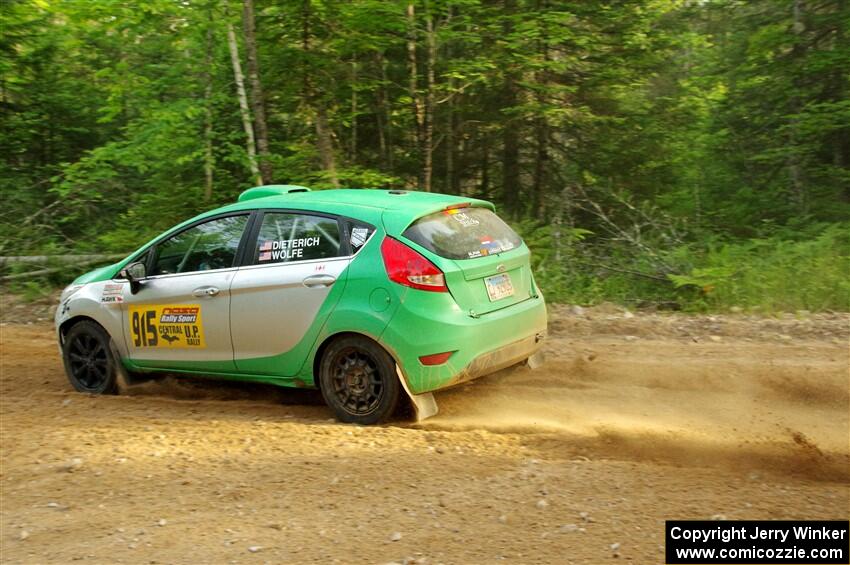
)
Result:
{"points": [[243, 104], [541, 166], [541, 125], [450, 119], [413, 86], [61, 259], [510, 152], [353, 142], [451, 187], [324, 141], [428, 138], [257, 99], [838, 92], [795, 172], [510, 136], [556, 223], [209, 160], [325, 144], [484, 187], [380, 118], [385, 133]]}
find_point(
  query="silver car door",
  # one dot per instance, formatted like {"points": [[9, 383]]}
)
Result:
{"points": [[180, 318], [280, 302]]}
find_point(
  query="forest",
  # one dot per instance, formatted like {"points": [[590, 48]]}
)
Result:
{"points": [[673, 154]]}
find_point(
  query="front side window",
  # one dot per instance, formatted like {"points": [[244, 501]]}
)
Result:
{"points": [[285, 238], [463, 233], [205, 247]]}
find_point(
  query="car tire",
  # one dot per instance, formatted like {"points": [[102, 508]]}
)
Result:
{"points": [[358, 380], [89, 363]]}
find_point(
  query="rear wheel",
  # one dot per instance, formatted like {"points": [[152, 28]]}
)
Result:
{"points": [[89, 362], [358, 380]]}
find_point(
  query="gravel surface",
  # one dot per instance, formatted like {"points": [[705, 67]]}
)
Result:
{"points": [[632, 420]]}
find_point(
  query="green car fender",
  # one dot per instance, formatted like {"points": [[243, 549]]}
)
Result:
{"points": [[363, 308]]}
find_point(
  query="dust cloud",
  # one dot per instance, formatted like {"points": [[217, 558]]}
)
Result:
{"points": [[672, 400]]}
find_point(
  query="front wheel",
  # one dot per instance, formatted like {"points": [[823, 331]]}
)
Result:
{"points": [[89, 362], [358, 381]]}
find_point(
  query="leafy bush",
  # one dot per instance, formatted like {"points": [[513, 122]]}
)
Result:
{"points": [[770, 274], [774, 274]]}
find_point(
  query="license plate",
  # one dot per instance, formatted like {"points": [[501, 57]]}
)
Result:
{"points": [[499, 287]]}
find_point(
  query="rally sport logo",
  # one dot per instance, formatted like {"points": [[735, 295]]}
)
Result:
{"points": [[167, 326]]}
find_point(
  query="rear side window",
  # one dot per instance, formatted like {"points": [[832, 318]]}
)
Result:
{"points": [[286, 238], [358, 235], [463, 233]]}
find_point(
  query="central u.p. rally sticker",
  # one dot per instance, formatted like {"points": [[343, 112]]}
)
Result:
{"points": [[167, 326]]}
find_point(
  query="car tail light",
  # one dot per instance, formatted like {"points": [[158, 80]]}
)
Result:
{"points": [[436, 358], [409, 268]]}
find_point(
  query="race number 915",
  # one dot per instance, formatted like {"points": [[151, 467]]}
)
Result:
{"points": [[144, 328]]}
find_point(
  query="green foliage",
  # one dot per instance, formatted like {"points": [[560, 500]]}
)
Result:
{"points": [[681, 154], [765, 275], [774, 274], [31, 291], [567, 267]]}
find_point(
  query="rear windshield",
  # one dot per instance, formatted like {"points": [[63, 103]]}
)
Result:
{"points": [[463, 233]]}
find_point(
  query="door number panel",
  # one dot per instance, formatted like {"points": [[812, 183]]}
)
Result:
{"points": [[167, 326]]}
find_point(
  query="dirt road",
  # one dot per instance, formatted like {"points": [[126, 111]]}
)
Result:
{"points": [[631, 421]]}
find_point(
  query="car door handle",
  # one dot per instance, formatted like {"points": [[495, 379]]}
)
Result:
{"points": [[205, 291], [316, 281]]}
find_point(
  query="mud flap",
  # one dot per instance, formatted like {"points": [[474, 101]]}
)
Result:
{"points": [[535, 360], [125, 381], [423, 404]]}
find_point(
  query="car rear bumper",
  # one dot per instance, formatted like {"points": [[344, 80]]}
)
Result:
{"points": [[500, 358], [423, 325]]}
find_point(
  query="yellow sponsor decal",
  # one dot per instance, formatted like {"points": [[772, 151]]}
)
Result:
{"points": [[167, 326]]}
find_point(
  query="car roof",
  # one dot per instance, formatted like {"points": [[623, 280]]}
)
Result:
{"points": [[373, 198], [398, 208]]}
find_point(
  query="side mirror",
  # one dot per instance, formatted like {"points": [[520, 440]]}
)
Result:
{"points": [[135, 273]]}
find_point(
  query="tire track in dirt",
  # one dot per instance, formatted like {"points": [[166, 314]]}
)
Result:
{"points": [[601, 445], [734, 405], [666, 400]]}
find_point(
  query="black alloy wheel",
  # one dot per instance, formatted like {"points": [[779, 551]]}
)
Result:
{"points": [[358, 380], [89, 362]]}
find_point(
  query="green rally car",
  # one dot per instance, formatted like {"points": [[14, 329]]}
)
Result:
{"points": [[361, 293]]}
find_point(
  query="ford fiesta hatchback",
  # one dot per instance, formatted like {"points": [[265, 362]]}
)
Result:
{"points": [[360, 293]]}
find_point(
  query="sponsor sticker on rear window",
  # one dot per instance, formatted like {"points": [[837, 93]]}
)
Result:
{"points": [[464, 219], [359, 236], [463, 233]]}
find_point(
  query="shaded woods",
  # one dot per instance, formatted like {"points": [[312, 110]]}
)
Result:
{"points": [[661, 153]]}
